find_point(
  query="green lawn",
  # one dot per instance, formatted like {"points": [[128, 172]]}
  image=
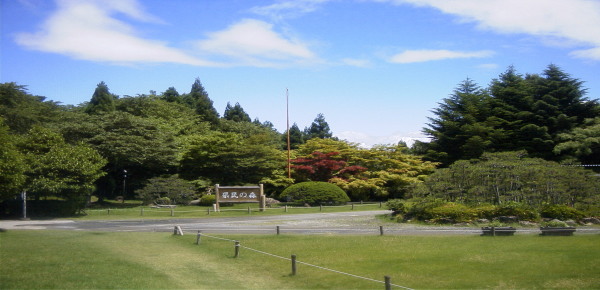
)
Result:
{"points": [[77, 259]]}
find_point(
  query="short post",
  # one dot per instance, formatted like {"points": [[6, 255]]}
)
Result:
{"points": [[208, 211], [286, 208], [142, 211], [108, 210], [381, 230], [198, 236], [178, 231], [388, 283], [493, 231], [249, 210], [237, 249], [352, 206], [278, 230], [294, 265], [172, 212], [320, 207], [380, 204]]}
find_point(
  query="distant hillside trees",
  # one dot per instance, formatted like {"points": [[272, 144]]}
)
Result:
{"points": [[515, 112]]}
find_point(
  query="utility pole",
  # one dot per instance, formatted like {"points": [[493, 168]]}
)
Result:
{"points": [[287, 103]]}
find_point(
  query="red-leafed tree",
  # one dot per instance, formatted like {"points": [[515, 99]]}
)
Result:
{"points": [[320, 166]]}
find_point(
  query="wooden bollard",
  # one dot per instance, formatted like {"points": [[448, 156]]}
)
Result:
{"points": [[172, 212], [286, 208], [108, 211], [381, 230], [142, 211], [249, 210], [277, 230], [198, 236], [237, 249], [208, 211], [320, 207], [294, 265], [388, 283], [352, 206]]}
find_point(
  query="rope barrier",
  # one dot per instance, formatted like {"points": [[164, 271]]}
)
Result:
{"points": [[304, 263]]}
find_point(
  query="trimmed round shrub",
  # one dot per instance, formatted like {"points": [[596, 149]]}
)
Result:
{"points": [[315, 193], [207, 200], [561, 212]]}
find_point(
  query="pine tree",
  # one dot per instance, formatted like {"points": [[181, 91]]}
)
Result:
{"points": [[318, 129], [171, 95], [102, 101], [198, 100], [236, 113]]}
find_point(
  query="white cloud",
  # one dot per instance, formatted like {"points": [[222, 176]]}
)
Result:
{"points": [[87, 29], [573, 20], [254, 42], [423, 55], [356, 62], [288, 9]]}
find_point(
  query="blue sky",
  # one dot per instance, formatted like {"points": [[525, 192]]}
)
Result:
{"points": [[374, 68]]}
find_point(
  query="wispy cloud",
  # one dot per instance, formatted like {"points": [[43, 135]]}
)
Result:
{"points": [[88, 30], [255, 42], [423, 55], [288, 9], [573, 20]]}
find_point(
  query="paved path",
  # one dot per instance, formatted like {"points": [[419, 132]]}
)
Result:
{"points": [[359, 222]]}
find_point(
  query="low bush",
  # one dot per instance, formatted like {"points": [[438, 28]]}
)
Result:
{"points": [[487, 211], [420, 210], [396, 206], [452, 213], [315, 193], [561, 212], [207, 200], [522, 211]]}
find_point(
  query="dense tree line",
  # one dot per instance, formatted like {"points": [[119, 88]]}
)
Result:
{"points": [[547, 115], [167, 145], [150, 145]]}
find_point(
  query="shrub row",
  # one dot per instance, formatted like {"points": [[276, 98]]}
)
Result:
{"points": [[440, 211]]}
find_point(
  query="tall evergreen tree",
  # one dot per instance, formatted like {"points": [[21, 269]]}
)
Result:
{"points": [[461, 128], [102, 101], [318, 129], [198, 99], [296, 137], [236, 113]]}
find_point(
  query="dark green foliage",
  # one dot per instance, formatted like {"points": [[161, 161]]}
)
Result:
{"points": [[561, 212], [296, 137], [396, 206], [198, 100], [102, 101], [515, 113], [451, 213], [522, 211], [12, 165], [236, 113], [509, 176], [315, 193], [161, 189], [231, 158], [318, 129], [21, 110]]}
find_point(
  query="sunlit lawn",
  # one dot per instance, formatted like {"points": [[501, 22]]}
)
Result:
{"points": [[77, 259]]}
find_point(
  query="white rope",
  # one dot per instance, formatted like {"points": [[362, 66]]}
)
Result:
{"points": [[224, 239]]}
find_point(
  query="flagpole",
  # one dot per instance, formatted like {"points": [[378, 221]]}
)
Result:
{"points": [[287, 104]]}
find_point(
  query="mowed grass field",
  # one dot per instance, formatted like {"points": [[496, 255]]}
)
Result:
{"points": [[78, 259]]}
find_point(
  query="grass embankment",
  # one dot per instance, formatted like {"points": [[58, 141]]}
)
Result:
{"points": [[132, 210], [69, 259]]}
